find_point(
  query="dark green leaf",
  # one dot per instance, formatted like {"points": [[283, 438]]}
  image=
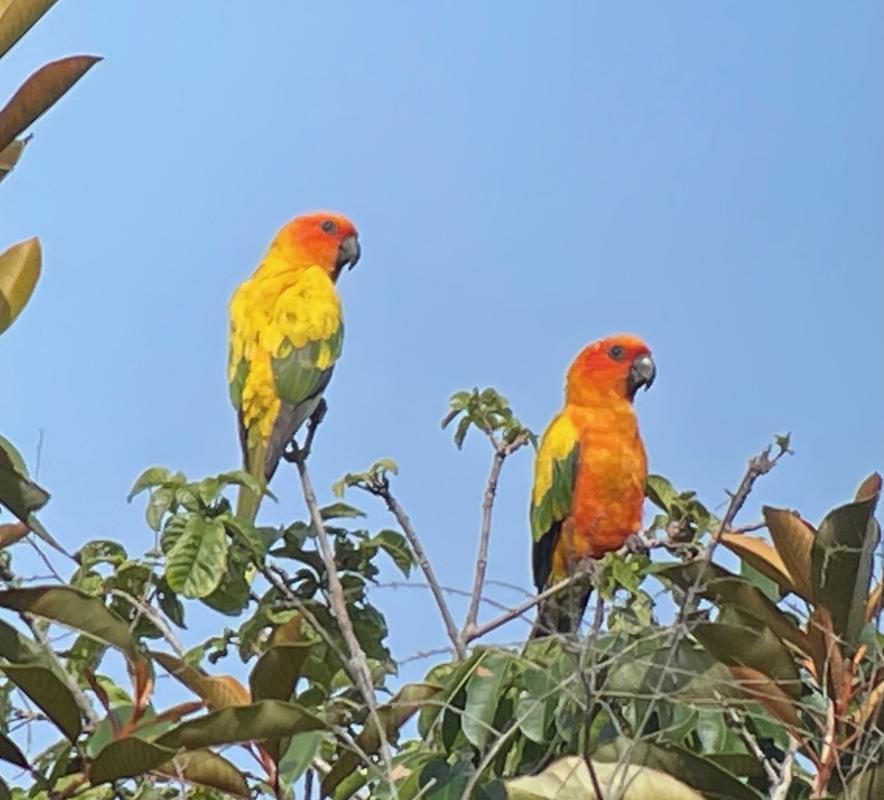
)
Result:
{"points": [[841, 561], [260, 721], [9, 752], [17, 492], [48, 692], [483, 696], [126, 758], [74, 609], [340, 511], [277, 671]]}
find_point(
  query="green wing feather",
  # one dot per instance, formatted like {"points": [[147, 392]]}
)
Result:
{"points": [[554, 479]]}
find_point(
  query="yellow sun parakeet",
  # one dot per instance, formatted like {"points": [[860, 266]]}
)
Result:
{"points": [[286, 333], [589, 473]]}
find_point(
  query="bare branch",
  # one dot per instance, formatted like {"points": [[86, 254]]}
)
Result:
{"points": [[338, 602], [501, 451], [382, 490], [516, 611], [147, 610]]}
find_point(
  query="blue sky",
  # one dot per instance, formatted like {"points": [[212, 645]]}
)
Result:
{"points": [[525, 179]]}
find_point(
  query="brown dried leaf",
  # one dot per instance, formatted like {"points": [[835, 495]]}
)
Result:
{"points": [[793, 539]]}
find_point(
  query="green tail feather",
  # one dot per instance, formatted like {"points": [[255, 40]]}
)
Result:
{"points": [[248, 501]]}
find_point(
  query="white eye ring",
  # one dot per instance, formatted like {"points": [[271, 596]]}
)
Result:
{"points": [[328, 226]]}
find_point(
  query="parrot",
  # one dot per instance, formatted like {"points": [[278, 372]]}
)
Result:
{"points": [[589, 474], [286, 333]]}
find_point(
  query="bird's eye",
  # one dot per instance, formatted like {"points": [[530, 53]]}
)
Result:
{"points": [[328, 226], [617, 352]]}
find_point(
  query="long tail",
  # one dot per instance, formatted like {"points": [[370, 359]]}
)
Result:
{"points": [[561, 613], [248, 501]]}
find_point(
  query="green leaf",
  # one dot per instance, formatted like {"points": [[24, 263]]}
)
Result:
{"points": [[17, 492], [48, 692], [100, 551], [396, 546], [340, 511], [197, 560], [277, 671], [724, 588], [9, 752], [207, 768], [299, 756], [260, 721], [697, 772], [742, 640], [569, 779], [10, 155], [126, 758], [17, 18], [152, 476], [660, 491], [74, 609], [39, 92], [393, 715], [483, 696], [15, 647], [841, 563]]}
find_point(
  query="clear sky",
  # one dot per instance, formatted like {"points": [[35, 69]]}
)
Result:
{"points": [[525, 177]]}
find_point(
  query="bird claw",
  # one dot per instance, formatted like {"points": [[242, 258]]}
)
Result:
{"points": [[635, 544]]}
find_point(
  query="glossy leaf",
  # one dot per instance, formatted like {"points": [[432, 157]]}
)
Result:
{"points": [[762, 556], [197, 560], [723, 587], [17, 492], [277, 670], [483, 696], [743, 641], [48, 692], [207, 768], [569, 779], [842, 562], [11, 154], [793, 539], [218, 691], [266, 719], [9, 752], [712, 781], [393, 715], [17, 17], [74, 609], [39, 92], [126, 758]]}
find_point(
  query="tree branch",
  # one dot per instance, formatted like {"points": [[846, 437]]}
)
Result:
{"points": [[338, 602], [382, 490], [501, 451]]}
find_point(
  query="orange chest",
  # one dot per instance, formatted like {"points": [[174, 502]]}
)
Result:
{"points": [[609, 490]]}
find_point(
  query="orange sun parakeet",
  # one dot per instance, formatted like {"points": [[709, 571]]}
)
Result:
{"points": [[286, 333], [589, 473]]}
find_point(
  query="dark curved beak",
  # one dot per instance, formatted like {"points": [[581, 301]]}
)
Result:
{"points": [[642, 372], [348, 253]]}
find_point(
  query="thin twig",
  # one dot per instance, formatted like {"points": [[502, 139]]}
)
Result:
{"points": [[517, 611], [75, 689], [501, 451], [779, 790], [338, 603], [147, 610], [382, 490]]}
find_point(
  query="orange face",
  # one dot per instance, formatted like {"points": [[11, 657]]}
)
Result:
{"points": [[324, 238], [614, 366]]}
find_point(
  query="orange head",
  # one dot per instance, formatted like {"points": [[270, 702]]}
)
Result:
{"points": [[324, 238], [613, 367]]}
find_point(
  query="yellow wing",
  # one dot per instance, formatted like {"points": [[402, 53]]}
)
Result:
{"points": [[286, 334], [555, 471]]}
